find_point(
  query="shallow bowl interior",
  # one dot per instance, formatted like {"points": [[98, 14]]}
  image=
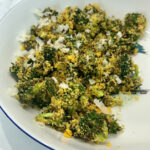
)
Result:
{"points": [[136, 116]]}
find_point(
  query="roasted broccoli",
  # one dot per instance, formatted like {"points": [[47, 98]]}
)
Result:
{"points": [[74, 64], [49, 53], [113, 126], [125, 66], [111, 101], [96, 127], [14, 69], [37, 92], [54, 119], [135, 24]]}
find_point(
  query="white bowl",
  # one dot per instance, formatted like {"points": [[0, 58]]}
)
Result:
{"points": [[136, 116]]}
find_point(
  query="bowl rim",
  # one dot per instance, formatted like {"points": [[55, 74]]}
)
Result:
{"points": [[25, 132], [1, 108], [2, 19]]}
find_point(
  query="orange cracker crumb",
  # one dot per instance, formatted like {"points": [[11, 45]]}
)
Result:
{"points": [[108, 144]]}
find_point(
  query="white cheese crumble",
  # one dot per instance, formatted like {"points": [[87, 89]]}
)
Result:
{"points": [[26, 65], [62, 28], [55, 80], [87, 30], [103, 41], [49, 42], [109, 42], [23, 37], [38, 12], [47, 13], [91, 81], [102, 107], [12, 91], [118, 80], [108, 33], [31, 54], [99, 46], [69, 78], [87, 58], [40, 43], [63, 85], [20, 53], [76, 51], [90, 11], [69, 36], [53, 18], [107, 54], [60, 39], [78, 44], [105, 62], [119, 34], [43, 22], [79, 35], [59, 43], [106, 74], [65, 50]]}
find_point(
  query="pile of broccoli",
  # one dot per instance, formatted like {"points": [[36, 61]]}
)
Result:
{"points": [[79, 56]]}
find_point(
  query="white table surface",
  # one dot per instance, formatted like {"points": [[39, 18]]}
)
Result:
{"points": [[12, 138]]}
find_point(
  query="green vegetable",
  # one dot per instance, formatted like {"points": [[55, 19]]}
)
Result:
{"points": [[125, 65], [113, 126], [135, 24], [136, 72], [78, 56], [14, 69], [49, 53], [111, 102], [93, 127], [53, 119], [37, 93], [98, 93], [29, 44]]}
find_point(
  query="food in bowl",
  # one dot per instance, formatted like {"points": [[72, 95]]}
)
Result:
{"points": [[73, 65]]}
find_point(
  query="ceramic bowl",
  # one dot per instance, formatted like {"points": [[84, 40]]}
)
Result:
{"points": [[135, 117]]}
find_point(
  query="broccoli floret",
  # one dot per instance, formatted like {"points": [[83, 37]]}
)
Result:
{"points": [[136, 72], [81, 88], [113, 126], [84, 102], [44, 117], [125, 65], [113, 25], [49, 53], [111, 101], [78, 11], [50, 12], [14, 69], [33, 30], [54, 119], [30, 43], [51, 87], [36, 92], [97, 93], [93, 127], [80, 19], [35, 74], [135, 25]]}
